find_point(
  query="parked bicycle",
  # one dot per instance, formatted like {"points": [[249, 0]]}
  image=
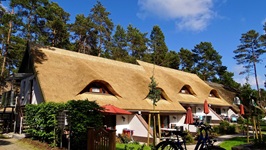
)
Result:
{"points": [[179, 143]]}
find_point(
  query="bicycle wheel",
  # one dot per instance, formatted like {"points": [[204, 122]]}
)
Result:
{"points": [[204, 146], [166, 145]]}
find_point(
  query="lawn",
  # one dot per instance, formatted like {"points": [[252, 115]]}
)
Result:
{"points": [[228, 144], [131, 146]]}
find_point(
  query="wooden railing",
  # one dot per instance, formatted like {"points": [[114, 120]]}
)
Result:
{"points": [[101, 139]]}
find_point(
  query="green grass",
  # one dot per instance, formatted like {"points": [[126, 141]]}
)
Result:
{"points": [[130, 146], [228, 144]]}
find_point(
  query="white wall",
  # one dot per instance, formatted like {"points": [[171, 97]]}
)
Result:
{"points": [[25, 91], [231, 113], [138, 127], [122, 124]]}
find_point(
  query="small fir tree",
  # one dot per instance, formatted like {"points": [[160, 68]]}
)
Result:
{"points": [[155, 93]]}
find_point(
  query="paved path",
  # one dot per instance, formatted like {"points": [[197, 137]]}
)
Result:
{"points": [[220, 139], [14, 144]]}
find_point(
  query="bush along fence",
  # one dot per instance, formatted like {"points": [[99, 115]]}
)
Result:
{"points": [[46, 124]]}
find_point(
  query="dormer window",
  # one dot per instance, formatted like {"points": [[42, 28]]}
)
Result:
{"points": [[214, 93], [96, 87], [186, 89], [95, 90]]}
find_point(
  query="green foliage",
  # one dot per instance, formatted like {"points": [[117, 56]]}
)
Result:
{"points": [[157, 45], [155, 93], [103, 27], [225, 128], [186, 63], [43, 125], [189, 137], [81, 115], [132, 146], [228, 144], [118, 48], [207, 61], [42, 121], [137, 43]]}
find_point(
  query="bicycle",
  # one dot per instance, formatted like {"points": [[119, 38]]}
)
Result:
{"points": [[179, 143]]}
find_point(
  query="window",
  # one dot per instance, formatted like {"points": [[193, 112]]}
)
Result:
{"points": [[96, 87], [186, 90], [214, 93]]}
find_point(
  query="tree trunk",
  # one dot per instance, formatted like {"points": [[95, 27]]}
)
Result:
{"points": [[7, 45]]}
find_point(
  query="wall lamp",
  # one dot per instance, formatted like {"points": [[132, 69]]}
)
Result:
{"points": [[123, 118]]}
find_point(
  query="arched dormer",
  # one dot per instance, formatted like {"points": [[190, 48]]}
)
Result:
{"points": [[163, 94], [186, 89], [214, 93], [99, 87]]}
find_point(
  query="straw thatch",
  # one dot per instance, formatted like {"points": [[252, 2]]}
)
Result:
{"points": [[172, 81], [228, 95], [62, 76]]}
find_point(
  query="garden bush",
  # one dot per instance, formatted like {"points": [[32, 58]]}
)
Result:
{"points": [[226, 128], [42, 121], [81, 114]]}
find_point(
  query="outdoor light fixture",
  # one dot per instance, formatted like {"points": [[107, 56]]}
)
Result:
{"points": [[123, 118]]}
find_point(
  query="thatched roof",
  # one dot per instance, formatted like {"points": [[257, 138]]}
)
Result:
{"points": [[228, 95], [172, 81], [63, 74]]}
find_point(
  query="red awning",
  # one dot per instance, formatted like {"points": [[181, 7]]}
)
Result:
{"points": [[111, 109]]}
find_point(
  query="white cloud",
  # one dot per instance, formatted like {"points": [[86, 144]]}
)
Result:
{"points": [[188, 14]]}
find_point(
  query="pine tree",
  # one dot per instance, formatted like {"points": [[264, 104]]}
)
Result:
{"points": [[248, 53], [56, 26], [207, 60], [157, 45], [119, 45], [103, 27], [137, 43], [186, 62], [83, 35], [32, 14]]}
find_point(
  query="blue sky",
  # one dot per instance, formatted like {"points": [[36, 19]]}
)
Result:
{"points": [[186, 23]]}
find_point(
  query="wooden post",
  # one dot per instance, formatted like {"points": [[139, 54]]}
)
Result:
{"points": [[255, 127], [148, 135], [159, 125], [112, 141], [247, 129], [154, 130], [90, 142]]}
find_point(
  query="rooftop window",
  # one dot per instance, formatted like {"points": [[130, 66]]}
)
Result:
{"points": [[186, 89], [214, 93], [96, 87]]}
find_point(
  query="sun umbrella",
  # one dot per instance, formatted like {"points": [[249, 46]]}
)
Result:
{"points": [[111, 109], [206, 107], [189, 117], [242, 109]]}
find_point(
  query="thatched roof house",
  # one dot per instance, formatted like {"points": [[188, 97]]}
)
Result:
{"points": [[64, 75]]}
